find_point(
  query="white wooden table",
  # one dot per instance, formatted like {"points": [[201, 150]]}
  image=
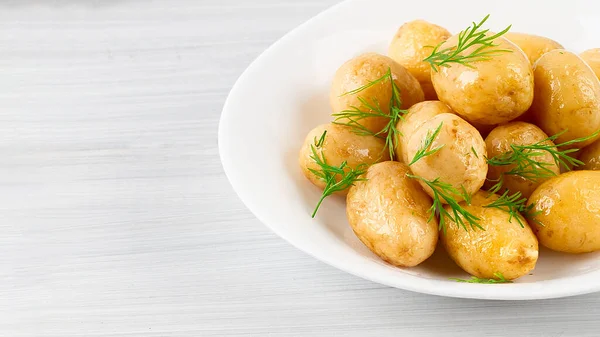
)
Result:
{"points": [[117, 219]]}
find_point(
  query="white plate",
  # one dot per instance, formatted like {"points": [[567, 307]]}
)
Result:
{"points": [[284, 94]]}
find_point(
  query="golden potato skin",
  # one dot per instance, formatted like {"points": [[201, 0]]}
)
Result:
{"points": [[592, 58], [590, 156], [495, 91], [533, 46], [567, 97], [569, 209], [341, 144], [411, 45], [460, 162], [504, 246], [364, 69], [499, 142], [416, 116], [388, 212]]}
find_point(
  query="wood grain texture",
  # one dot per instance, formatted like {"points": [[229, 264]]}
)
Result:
{"points": [[117, 219]]}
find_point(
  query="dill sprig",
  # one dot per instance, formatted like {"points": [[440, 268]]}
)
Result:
{"points": [[336, 178], [515, 205], [498, 184], [387, 76], [447, 192], [474, 279], [424, 150], [472, 36], [319, 143], [526, 163], [353, 116]]}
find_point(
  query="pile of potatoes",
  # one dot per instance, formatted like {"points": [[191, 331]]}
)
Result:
{"points": [[519, 97]]}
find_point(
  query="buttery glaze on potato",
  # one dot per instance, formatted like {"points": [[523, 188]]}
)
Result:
{"points": [[364, 69], [590, 156], [461, 160], [341, 144], [569, 209], [592, 58], [567, 97], [492, 91], [416, 116], [499, 142], [533, 46], [504, 246], [388, 212], [411, 44]]}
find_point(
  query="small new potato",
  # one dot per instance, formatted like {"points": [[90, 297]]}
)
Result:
{"points": [[363, 70], [411, 44], [502, 247], [490, 91], [499, 141], [416, 116], [568, 206], [533, 46], [592, 58], [590, 156], [388, 212], [567, 97], [460, 160], [340, 144]]}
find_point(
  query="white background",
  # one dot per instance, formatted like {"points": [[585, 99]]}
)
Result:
{"points": [[117, 219]]}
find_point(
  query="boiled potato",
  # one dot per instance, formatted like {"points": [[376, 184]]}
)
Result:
{"points": [[567, 212], [416, 116], [534, 46], [388, 212], [592, 58], [499, 141], [363, 70], [590, 156], [419, 114], [567, 97], [340, 144], [502, 247], [491, 91], [411, 44], [461, 159]]}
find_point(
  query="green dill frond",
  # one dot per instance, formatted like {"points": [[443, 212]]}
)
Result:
{"points": [[472, 36]]}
